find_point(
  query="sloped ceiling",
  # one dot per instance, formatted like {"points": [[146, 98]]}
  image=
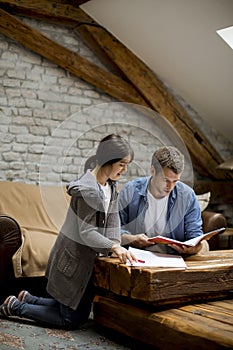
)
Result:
{"points": [[177, 39]]}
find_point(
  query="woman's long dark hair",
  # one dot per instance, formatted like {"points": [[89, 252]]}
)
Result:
{"points": [[112, 149]]}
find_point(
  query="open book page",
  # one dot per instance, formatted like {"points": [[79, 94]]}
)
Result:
{"points": [[152, 259], [190, 243]]}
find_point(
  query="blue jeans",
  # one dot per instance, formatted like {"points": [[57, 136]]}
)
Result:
{"points": [[50, 312]]}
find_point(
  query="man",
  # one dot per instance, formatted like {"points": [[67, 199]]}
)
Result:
{"points": [[161, 204]]}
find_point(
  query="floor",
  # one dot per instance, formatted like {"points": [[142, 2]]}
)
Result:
{"points": [[24, 335]]}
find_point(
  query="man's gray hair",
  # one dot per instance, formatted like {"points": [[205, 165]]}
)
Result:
{"points": [[169, 157]]}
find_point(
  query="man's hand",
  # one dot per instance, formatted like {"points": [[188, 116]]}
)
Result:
{"points": [[137, 241], [203, 245]]}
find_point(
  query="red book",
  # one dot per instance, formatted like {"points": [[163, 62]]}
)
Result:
{"points": [[189, 243]]}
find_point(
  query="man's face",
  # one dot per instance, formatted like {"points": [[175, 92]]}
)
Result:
{"points": [[162, 183]]}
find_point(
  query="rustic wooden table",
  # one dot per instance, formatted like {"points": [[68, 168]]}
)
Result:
{"points": [[169, 307]]}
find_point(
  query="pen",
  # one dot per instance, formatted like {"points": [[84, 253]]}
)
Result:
{"points": [[140, 261]]}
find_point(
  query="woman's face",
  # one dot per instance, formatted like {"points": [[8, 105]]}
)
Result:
{"points": [[119, 168]]}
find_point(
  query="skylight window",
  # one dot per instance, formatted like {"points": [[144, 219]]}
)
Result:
{"points": [[227, 35]]}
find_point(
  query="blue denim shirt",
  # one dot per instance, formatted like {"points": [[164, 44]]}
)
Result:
{"points": [[183, 215]]}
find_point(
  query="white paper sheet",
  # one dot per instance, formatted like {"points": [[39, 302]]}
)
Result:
{"points": [[157, 259]]}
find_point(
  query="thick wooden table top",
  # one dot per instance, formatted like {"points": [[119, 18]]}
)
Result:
{"points": [[206, 277]]}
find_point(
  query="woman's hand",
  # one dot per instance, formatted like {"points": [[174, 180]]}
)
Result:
{"points": [[123, 254], [138, 241]]}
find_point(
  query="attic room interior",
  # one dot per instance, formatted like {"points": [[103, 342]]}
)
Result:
{"points": [[156, 72]]}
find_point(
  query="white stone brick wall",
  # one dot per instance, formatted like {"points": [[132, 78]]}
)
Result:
{"points": [[51, 121]]}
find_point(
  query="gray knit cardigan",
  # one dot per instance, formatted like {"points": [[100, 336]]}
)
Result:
{"points": [[87, 231]]}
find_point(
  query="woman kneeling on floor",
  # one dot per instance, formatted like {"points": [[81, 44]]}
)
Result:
{"points": [[91, 227]]}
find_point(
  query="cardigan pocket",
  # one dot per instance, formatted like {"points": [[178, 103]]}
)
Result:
{"points": [[67, 263]]}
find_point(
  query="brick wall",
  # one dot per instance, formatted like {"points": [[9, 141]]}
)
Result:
{"points": [[51, 121]]}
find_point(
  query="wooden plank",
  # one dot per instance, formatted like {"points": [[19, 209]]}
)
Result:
{"points": [[206, 277], [166, 286], [74, 2], [223, 304], [59, 12], [198, 325], [55, 11], [215, 312], [166, 329], [67, 59], [116, 276], [211, 255]]}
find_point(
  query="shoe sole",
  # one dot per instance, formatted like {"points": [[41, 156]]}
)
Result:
{"points": [[23, 296], [5, 309]]}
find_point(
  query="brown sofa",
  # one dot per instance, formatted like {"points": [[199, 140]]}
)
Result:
{"points": [[30, 218]]}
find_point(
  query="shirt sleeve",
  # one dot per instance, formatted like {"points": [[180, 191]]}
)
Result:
{"points": [[193, 219]]}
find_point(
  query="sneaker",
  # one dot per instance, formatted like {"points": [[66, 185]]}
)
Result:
{"points": [[7, 306], [23, 295]]}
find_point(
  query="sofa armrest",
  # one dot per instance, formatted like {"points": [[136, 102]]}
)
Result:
{"points": [[10, 241], [213, 221]]}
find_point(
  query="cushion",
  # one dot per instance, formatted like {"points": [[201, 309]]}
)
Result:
{"points": [[203, 200]]}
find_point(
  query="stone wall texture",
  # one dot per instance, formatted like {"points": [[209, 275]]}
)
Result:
{"points": [[51, 121]]}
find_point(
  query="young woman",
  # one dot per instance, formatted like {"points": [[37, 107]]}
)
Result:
{"points": [[91, 227]]}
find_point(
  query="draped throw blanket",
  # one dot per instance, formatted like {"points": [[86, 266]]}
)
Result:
{"points": [[40, 212]]}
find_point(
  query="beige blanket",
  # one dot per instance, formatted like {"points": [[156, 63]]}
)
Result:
{"points": [[40, 212]]}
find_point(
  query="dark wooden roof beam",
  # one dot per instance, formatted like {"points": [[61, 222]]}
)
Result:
{"points": [[67, 59], [54, 11]]}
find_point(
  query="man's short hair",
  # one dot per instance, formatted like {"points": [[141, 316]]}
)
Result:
{"points": [[169, 157]]}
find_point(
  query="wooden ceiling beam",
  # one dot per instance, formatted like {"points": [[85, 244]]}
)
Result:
{"points": [[58, 12], [75, 3], [55, 11], [67, 59]]}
